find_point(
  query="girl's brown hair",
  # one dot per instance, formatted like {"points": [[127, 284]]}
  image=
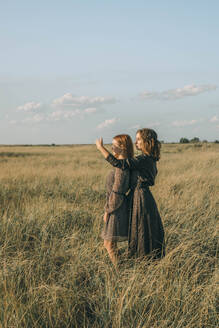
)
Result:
{"points": [[125, 144], [151, 145]]}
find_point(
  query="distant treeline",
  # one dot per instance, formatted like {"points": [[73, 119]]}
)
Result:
{"points": [[182, 141], [194, 140]]}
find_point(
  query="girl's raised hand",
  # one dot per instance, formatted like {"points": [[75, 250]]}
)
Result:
{"points": [[99, 143]]}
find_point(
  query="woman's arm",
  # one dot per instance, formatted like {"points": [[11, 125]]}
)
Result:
{"points": [[101, 148], [129, 163]]}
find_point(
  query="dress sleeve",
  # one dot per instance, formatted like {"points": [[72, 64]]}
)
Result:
{"points": [[133, 163], [119, 189]]}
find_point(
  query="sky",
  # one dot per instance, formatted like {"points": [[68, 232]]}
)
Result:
{"points": [[73, 71]]}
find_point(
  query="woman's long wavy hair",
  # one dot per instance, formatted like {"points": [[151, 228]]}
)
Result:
{"points": [[151, 145], [125, 144]]}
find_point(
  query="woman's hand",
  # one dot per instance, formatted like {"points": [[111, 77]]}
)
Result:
{"points": [[105, 217], [101, 148], [99, 143]]}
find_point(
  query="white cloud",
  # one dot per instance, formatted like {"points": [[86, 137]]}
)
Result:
{"points": [[149, 95], [34, 119], [179, 93], [106, 123], [184, 123], [30, 106], [68, 114], [214, 119], [90, 110], [60, 114], [57, 115], [69, 100]]}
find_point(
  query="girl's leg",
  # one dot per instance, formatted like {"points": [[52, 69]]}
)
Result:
{"points": [[111, 248]]}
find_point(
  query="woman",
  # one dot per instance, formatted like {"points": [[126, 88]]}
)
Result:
{"points": [[146, 234], [116, 208]]}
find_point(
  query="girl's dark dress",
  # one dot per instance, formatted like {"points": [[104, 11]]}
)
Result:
{"points": [[146, 233], [117, 185]]}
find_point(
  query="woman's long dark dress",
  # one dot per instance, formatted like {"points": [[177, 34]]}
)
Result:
{"points": [[146, 233]]}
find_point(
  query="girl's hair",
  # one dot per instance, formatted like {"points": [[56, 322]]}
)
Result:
{"points": [[125, 144], [151, 145]]}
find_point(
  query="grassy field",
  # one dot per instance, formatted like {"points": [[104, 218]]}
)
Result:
{"points": [[54, 270]]}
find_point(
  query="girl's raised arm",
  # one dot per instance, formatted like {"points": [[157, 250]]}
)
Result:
{"points": [[133, 163]]}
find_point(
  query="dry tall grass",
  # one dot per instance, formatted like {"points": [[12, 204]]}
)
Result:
{"points": [[55, 272]]}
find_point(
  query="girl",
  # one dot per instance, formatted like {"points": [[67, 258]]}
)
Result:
{"points": [[116, 208], [146, 234]]}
